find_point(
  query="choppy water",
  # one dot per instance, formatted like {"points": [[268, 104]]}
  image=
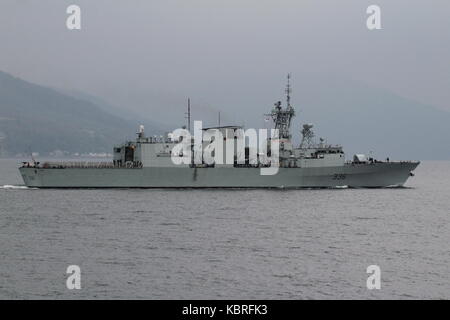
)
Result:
{"points": [[212, 244]]}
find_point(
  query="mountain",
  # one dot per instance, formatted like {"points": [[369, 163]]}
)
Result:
{"points": [[154, 127], [39, 119]]}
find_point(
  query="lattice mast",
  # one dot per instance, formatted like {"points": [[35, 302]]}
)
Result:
{"points": [[283, 117]]}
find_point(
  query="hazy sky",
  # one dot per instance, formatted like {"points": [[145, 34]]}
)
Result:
{"points": [[225, 53]]}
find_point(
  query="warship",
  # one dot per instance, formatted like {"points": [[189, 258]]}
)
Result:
{"points": [[147, 162]]}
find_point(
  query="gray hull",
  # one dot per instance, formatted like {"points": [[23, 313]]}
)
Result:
{"points": [[385, 174]]}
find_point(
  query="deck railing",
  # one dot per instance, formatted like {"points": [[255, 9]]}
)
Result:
{"points": [[85, 165]]}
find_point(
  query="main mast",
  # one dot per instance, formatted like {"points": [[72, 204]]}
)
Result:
{"points": [[283, 117]]}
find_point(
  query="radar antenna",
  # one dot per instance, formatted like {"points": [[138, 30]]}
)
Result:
{"points": [[307, 136]]}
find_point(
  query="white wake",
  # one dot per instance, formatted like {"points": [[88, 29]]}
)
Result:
{"points": [[9, 186]]}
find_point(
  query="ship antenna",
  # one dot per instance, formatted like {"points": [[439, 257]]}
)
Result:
{"points": [[188, 113], [288, 91], [32, 157]]}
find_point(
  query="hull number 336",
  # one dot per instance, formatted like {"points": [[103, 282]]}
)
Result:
{"points": [[339, 176]]}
